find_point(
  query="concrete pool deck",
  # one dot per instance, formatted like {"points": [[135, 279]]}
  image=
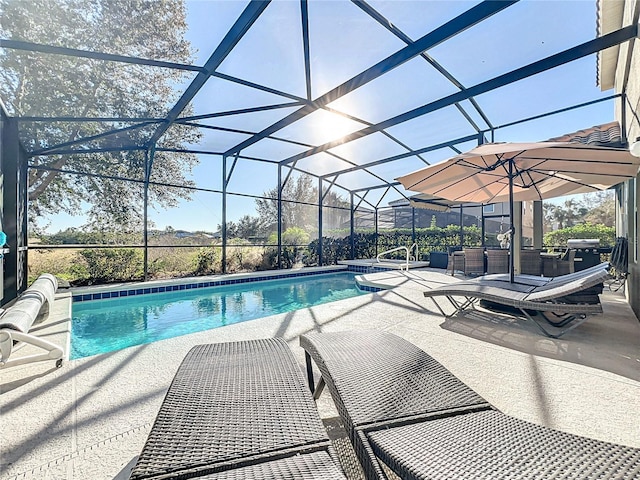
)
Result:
{"points": [[90, 418]]}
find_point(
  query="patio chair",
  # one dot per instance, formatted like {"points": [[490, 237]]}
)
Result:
{"points": [[405, 412], [566, 262], [473, 261], [456, 260], [530, 262], [18, 319], [552, 302], [238, 410], [497, 261]]}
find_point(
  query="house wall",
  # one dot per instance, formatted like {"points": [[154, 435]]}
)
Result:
{"points": [[627, 112]]}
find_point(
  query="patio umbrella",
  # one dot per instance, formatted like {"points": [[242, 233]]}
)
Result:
{"points": [[430, 202], [508, 172]]}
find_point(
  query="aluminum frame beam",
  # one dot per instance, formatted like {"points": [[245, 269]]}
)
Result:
{"points": [[304, 18], [242, 25], [553, 61], [52, 150], [365, 7], [74, 52], [453, 27], [400, 156]]}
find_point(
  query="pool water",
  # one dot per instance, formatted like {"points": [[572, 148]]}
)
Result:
{"points": [[102, 326]]}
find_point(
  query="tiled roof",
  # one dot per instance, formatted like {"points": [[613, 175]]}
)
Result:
{"points": [[608, 135]]}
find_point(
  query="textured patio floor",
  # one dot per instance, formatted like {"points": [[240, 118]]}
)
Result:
{"points": [[90, 418]]}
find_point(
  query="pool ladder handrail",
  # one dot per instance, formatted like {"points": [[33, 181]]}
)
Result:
{"points": [[408, 250]]}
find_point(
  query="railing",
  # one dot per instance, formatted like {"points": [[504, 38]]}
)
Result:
{"points": [[414, 247], [397, 249]]}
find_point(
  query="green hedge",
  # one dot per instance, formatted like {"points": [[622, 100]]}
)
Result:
{"points": [[428, 239], [558, 238]]}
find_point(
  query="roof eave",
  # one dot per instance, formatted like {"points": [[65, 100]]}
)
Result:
{"points": [[610, 16]]}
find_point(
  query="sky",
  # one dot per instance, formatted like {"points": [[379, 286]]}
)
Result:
{"points": [[343, 42]]}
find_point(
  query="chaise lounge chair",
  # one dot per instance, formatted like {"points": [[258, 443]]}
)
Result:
{"points": [[17, 320], [556, 301], [589, 295], [238, 410], [537, 280], [404, 410]]}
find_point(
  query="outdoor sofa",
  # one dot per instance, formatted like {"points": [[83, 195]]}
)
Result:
{"points": [[562, 302], [406, 413], [238, 410]]}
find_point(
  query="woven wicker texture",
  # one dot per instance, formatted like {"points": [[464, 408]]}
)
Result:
{"points": [[473, 261], [566, 265], [530, 262], [592, 276], [455, 261], [310, 466], [511, 298], [491, 445], [393, 378], [497, 261], [229, 402], [375, 376]]}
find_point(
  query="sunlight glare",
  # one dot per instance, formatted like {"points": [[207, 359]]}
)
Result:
{"points": [[328, 126]]}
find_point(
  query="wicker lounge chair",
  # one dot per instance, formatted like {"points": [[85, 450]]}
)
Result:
{"points": [[238, 410], [403, 409], [589, 295], [16, 321], [537, 280], [555, 302]]}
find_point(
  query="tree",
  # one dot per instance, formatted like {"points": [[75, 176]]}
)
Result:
{"points": [[597, 208], [35, 84], [249, 227], [299, 206], [601, 207]]}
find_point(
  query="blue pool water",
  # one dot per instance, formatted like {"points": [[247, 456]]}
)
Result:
{"points": [[103, 326]]}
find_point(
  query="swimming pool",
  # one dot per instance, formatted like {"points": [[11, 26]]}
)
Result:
{"points": [[101, 326]]}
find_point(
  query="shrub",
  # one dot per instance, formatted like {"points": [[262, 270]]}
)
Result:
{"points": [[269, 259], [63, 263], [107, 265], [292, 251], [208, 260], [605, 234], [242, 256], [170, 262]]}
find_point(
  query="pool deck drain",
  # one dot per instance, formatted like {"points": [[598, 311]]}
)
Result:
{"points": [[90, 418]]}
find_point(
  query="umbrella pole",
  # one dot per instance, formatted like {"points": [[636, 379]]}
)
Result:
{"points": [[512, 230]]}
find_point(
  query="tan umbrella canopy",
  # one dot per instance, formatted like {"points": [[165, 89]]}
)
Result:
{"points": [[538, 170], [499, 172], [431, 202]]}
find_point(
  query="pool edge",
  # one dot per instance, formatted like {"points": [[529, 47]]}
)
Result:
{"points": [[101, 292]]}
